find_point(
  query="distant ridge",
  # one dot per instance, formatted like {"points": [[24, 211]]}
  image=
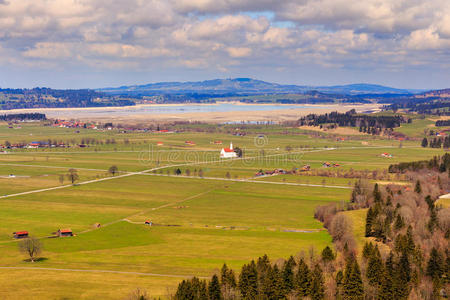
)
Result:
{"points": [[249, 86]]}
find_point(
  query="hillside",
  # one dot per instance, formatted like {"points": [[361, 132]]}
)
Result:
{"points": [[246, 86]]}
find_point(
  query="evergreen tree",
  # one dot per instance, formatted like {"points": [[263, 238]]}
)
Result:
{"points": [[418, 188], [248, 281], [214, 292], [353, 288], [424, 142], [317, 284], [367, 250], [435, 266], [288, 275], [375, 268], [402, 277], [376, 194], [387, 291], [399, 223], [327, 254], [369, 221], [262, 267], [433, 223], [339, 282], [227, 281], [303, 279], [272, 286]]}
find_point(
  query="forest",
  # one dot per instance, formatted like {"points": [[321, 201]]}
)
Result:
{"points": [[406, 254], [52, 98]]}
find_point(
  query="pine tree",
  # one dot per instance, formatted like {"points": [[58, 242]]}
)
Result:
{"points": [[375, 268], [303, 279], [402, 277], [376, 194], [435, 266], [424, 142], [272, 286], [353, 288], [399, 223], [339, 282], [214, 292], [387, 291], [288, 275], [418, 188], [317, 284], [410, 240], [327, 254], [369, 221], [367, 250], [262, 267], [227, 280], [248, 281], [433, 223]]}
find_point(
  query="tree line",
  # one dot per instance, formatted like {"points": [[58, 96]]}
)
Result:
{"points": [[23, 117], [46, 97], [367, 123], [437, 163]]}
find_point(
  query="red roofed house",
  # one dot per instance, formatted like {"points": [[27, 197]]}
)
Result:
{"points": [[228, 152], [20, 234], [64, 232]]}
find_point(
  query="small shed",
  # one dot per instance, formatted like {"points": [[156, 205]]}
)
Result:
{"points": [[20, 234], [64, 232], [148, 222]]}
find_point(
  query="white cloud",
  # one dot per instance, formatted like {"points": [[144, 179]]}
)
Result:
{"points": [[239, 52], [214, 34]]}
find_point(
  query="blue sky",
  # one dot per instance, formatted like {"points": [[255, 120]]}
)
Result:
{"points": [[98, 43]]}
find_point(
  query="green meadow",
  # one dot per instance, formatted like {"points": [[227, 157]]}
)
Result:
{"points": [[212, 213]]}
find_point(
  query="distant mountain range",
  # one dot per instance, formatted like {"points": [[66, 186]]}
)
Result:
{"points": [[248, 86]]}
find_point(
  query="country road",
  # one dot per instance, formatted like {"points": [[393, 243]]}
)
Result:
{"points": [[100, 271]]}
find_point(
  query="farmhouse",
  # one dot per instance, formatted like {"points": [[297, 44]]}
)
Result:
{"points": [[228, 152], [20, 234], [64, 232]]}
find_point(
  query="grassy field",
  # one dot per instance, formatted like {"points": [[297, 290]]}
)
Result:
{"points": [[216, 215]]}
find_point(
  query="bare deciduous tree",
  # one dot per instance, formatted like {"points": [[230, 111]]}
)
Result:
{"points": [[31, 246], [113, 170], [72, 175]]}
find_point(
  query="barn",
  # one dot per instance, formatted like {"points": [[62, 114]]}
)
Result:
{"points": [[20, 234], [64, 232]]}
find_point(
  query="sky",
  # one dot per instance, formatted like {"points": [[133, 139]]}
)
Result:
{"points": [[100, 43]]}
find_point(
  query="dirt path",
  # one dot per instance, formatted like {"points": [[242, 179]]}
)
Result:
{"points": [[99, 271]]}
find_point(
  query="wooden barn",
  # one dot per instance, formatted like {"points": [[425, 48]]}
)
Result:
{"points": [[64, 232], [20, 234]]}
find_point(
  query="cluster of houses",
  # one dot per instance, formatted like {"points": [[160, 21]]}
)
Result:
{"points": [[273, 172], [35, 145], [387, 155], [239, 133], [60, 233], [305, 168], [73, 124], [329, 165]]}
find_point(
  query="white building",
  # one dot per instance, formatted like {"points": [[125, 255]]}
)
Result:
{"points": [[228, 152]]}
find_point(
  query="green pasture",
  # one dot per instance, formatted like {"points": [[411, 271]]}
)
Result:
{"points": [[199, 223]]}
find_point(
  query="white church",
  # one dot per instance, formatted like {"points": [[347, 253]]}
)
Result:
{"points": [[228, 152]]}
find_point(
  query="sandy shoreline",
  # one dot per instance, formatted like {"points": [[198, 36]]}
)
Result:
{"points": [[88, 113]]}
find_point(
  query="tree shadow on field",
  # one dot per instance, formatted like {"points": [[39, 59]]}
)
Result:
{"points": [[40, 259]]}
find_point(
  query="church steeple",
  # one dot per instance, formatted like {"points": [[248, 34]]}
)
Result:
{"points": [[231, 145]]}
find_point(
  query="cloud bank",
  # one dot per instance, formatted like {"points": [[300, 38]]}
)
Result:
{"points": [[224, 37]]}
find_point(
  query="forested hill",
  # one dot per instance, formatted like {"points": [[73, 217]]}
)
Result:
{"points": [[247, 86], [49, 98]]}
